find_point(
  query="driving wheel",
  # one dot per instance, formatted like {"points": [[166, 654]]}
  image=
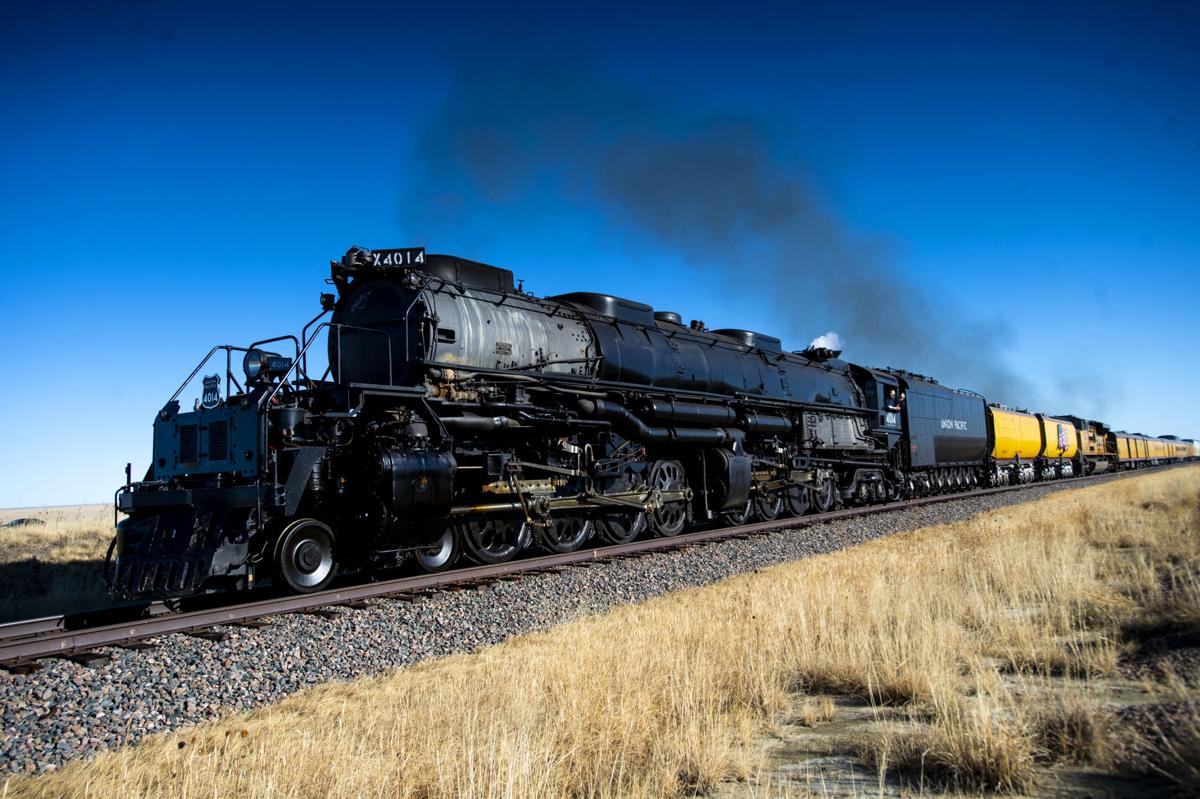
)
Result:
{"points": [[768, 507], [797, 500], [737, 516], [669, 518], [824, 497], [565, 534], [495, 539], [621, 527]]}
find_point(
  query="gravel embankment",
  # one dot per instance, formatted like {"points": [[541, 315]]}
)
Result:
{"points": [[66, 710]]}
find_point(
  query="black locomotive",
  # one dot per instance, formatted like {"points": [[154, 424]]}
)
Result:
{"points": [[459, 413]]}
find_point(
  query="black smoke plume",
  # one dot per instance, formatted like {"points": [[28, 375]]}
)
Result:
{"points": [[693, 183]]}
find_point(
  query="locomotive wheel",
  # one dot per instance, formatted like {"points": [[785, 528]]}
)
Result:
{"points": [[492, 540], [767, 508], [304, 556], [824, 497], [797, 500], [565, 534], [442, 555], [620, 528], [738, 515], [669, 519]]}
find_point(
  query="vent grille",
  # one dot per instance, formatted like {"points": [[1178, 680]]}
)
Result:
{"points": [[189, 444], [218, 441]]}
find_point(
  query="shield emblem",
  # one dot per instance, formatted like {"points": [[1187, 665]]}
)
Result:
{"points": [[211, 397]]}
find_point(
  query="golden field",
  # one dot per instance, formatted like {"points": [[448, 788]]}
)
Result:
{"points": [[990, 653], [57, 566]]}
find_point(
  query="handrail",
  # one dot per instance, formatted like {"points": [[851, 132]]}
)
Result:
{"points": [[266, 398], [229, 350], [284, 337], [300, 362], [304, 337]]}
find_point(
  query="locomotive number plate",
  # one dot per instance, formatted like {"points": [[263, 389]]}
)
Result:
{"points": [[406, 256]]}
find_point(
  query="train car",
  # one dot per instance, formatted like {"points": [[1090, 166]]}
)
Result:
{"points": [[1132, 451], [946, 434], [1060, 444], [1016, 443]]}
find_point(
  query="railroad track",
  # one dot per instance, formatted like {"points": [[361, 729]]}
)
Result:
{"points": [[23, 643]]}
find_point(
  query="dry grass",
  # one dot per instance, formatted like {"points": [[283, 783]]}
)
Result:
{"points": [[57, 566], [658, 699], [815, 711], [1069, 728]]}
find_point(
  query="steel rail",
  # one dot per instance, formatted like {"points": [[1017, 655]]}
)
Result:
{"points": [[42, 638], [44, 625]]}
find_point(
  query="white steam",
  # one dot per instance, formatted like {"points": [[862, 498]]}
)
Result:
{"points": [[830, 341]]}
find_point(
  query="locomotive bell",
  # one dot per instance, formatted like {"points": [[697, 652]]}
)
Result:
{"points": [[262, 365]]}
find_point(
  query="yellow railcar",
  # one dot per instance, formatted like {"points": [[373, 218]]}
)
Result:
{"points": [[1060, 439], [1014, 435], [1124, 448], [1135, 450]]}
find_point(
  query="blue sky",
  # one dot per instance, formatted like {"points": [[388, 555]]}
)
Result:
{"points": [[1025, 176]]}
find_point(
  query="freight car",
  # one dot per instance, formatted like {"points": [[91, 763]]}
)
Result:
{"points": [[461, 415]]}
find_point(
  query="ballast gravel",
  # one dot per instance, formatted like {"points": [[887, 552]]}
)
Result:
{"points": [[65, 710]]}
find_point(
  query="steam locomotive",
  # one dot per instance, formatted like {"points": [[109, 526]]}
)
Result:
{"points": [[460, 415]]}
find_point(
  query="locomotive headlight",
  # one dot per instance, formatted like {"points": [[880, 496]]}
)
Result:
{"points": [[263, 365]]}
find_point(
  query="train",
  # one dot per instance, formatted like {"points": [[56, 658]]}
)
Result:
{"points": [[459, 416]]}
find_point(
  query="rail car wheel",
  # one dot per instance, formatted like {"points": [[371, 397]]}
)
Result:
{"points": [[620, 528], [304, 556], [670, 518], [825, 496], [738, 515], [797, 500], [442, 555], [565, 534], [491, 540], [767, 508]]}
